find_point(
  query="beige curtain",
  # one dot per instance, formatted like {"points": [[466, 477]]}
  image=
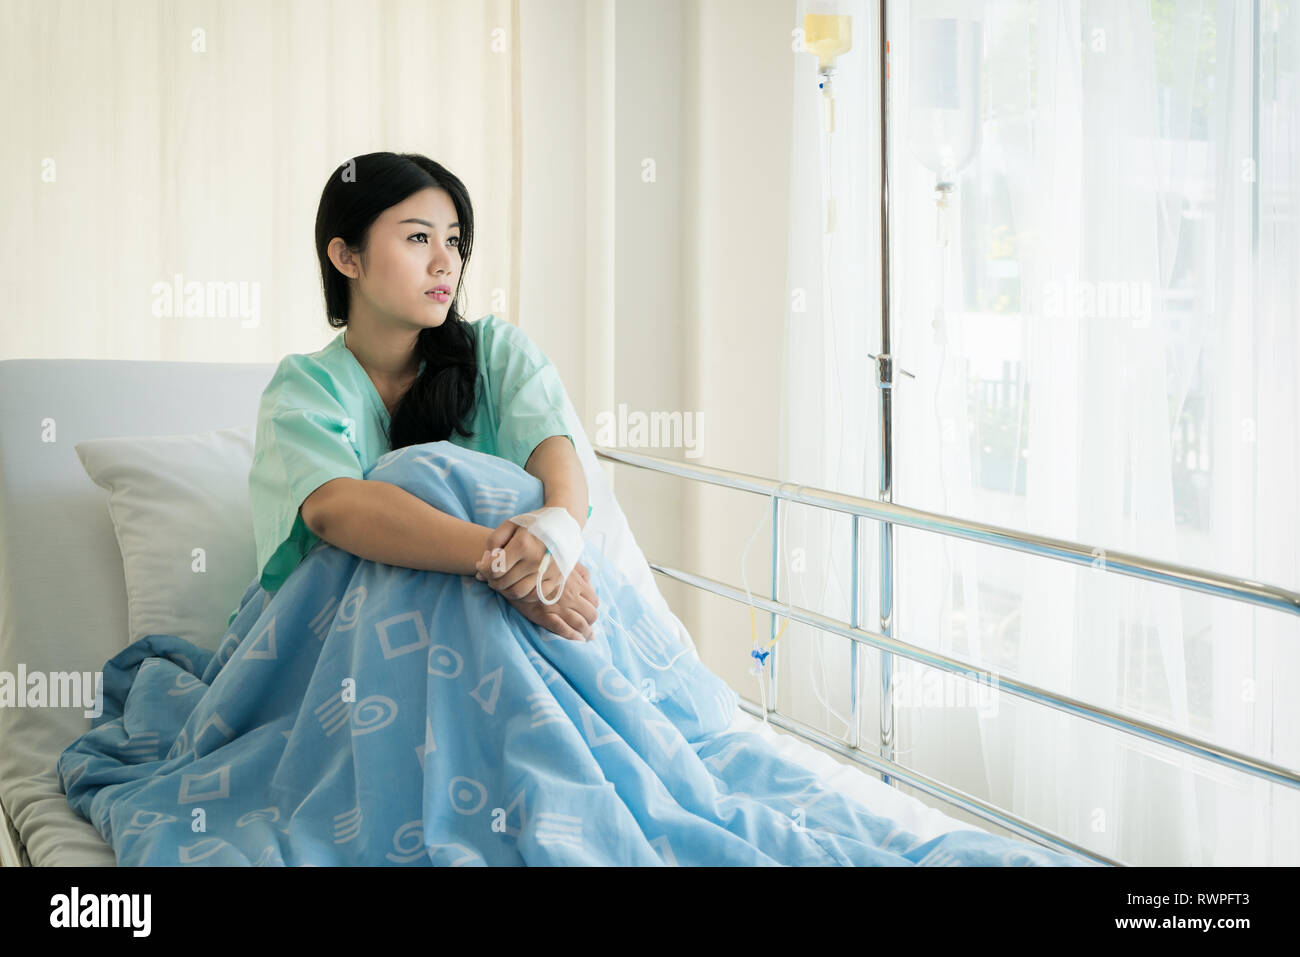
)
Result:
{"points": [[151, 146]]}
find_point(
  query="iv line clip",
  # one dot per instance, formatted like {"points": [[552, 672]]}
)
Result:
{"points": [[885, 370]]}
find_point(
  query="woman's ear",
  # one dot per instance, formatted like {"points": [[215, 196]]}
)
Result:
{"points": [[342, 258]]}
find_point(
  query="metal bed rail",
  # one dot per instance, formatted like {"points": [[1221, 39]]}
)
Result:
{"points": [[1107, 560]]}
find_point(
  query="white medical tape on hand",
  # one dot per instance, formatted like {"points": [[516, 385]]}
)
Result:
{"points": [[560, 533]]}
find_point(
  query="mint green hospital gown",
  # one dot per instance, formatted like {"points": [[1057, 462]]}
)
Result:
{"points": [[321, 418]]}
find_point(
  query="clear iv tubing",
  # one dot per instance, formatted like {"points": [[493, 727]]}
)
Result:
{"points": [[744, 574], [942, 241], [827, 85], [824, 142], [941, 318], [818, 647], [753, 627]]}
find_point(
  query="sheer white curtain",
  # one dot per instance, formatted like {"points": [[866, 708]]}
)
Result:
{"points": [[1105, 351], [1254, 347]]}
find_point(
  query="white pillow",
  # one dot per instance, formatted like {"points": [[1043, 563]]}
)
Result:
{"points": [[179, 505]]}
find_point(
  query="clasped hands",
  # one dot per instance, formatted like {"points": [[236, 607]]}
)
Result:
{"points": [[573, 613]]}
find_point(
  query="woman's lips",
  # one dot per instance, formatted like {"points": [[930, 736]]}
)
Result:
{"points": [[438, 296]]}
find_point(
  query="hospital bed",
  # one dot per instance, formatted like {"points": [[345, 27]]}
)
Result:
{"points": [[63, 603], [63, 600]]}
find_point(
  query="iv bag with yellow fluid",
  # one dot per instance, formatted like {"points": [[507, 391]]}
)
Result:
{"points": [[826, 36]]}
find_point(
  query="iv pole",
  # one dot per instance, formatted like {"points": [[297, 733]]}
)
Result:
{"points": [[885, 382], [830, 41]]}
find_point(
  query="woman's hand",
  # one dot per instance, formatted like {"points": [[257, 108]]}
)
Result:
{"points": [[523, 552], [572, 615]]}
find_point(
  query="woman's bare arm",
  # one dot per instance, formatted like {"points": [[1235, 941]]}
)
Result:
{"points": [[556, 463], [383, 523]]}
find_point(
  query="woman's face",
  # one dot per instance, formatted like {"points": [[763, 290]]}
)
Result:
{"points": [[413, 247]]}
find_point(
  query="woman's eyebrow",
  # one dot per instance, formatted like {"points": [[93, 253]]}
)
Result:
{"points": [[425, 222]]}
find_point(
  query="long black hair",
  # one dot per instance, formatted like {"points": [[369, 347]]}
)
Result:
{"points": [[355, 195]]}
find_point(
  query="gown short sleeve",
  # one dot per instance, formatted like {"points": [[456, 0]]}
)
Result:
{"points": [[529, 396], [304, 439]]}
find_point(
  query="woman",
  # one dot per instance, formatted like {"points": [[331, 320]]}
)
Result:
{"points": [[393, 236], [372, 714]]}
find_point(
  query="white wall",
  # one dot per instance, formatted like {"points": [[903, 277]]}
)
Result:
{"points": [[741, 66], [682, 282]]}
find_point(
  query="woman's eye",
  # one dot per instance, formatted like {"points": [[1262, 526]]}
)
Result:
{"points": [[426, 236]]}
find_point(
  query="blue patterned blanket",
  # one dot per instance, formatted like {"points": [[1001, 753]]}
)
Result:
{"points": [[373, 714]]}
